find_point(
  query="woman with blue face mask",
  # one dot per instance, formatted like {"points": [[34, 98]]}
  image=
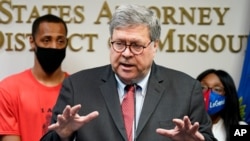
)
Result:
{"points": [[221, 101]]}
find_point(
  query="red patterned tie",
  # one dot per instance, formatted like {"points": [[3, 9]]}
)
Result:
{"points": [[128, 110]]}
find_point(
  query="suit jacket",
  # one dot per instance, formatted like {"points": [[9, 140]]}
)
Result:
{"points": [[170, 94]]}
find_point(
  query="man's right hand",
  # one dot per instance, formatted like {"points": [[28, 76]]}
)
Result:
{"points": [[70, 121]]}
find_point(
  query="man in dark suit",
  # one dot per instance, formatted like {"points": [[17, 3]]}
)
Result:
{"points": [[168, 104]]}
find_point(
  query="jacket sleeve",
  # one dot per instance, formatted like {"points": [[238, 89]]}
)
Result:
{"points": [[50, 136], [53, 136], [64, 98], [198, 113]]}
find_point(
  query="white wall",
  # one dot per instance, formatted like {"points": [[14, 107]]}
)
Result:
{"points": [[235, 22]]}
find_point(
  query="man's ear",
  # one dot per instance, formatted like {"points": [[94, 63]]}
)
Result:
{"points": [[32, 43], [156, 45]]}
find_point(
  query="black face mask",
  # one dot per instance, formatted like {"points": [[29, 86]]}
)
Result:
{"points": [[49, 58]]}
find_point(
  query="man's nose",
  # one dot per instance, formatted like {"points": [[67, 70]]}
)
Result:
{"points": [[127, 50], [53, 44]]}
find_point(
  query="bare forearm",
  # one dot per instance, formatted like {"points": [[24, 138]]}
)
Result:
{"points": [[10, 138]]}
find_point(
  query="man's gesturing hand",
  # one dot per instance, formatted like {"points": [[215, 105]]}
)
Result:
{"points": [[183, 131], [70, 121]]}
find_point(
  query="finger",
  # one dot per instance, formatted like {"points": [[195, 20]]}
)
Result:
{"points": [[61, 119], [74, 110], [194, 128], [164, 132], [160, 131], [179, 123], [195, 132], [53, 126], [91, 116], [66, 112], [187, 123]]}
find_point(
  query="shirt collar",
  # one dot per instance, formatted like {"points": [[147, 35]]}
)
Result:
{"points": [[143, 84]]}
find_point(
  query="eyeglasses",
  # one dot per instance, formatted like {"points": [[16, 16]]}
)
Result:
{"points": [[217, 89], [136, 49]]}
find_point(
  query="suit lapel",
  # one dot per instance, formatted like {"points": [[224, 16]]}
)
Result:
{"points": [[112, 101], [153, 96]]}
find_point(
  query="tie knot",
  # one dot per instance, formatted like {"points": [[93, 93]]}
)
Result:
{"points": [[130, 88]]}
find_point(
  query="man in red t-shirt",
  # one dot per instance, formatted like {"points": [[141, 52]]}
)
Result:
{"points": [[27, 98]]}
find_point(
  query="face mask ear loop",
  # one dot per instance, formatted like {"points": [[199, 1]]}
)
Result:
{"points": [[206, 98]]}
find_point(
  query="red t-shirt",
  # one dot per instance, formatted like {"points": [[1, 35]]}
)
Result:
{"points": [[26, 106]]}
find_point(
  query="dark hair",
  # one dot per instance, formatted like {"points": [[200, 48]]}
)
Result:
{"points": [[47, 18], [231, 113]]}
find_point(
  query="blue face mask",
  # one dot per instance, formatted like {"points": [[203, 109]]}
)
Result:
{"points": [[214, 102]]}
